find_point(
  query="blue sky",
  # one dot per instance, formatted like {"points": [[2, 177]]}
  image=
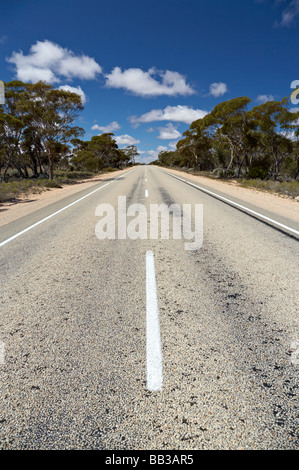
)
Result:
{"points": [[146, 70]]}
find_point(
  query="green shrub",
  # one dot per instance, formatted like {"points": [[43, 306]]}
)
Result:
{"points": [[109, 169], [289, 167], [257, 172], [52, 184]]}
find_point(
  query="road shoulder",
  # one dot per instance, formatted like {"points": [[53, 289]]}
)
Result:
{"points": [[11, 211], [275, 203]]}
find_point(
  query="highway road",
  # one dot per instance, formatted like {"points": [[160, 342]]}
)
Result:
{"points": [[134, 342]]}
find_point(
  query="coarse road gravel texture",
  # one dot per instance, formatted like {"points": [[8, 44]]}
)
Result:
{"points": [[73, 322]]}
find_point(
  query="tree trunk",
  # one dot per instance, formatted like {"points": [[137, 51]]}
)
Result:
{"points": [[51, 167], [17, 167]]}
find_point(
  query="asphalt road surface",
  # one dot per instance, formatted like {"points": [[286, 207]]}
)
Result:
{"points": [[123, 343]]}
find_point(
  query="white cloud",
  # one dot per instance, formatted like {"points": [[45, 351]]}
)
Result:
{"points": [[170, 113], [29, 73], [153, 154], [49, 62], [113, 126], [295, 110], [265, 98], [290, 13], [144, 84], [147, 156], [172, 145], [77, 90], [289, 134], [218, 89], [126, 140], [162, 148], [80, 67], [169, 132]]}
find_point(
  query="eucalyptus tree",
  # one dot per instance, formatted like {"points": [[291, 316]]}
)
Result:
{"points": [[99, 152], [275, 129], [33, 151], [51, 113], [296, 157], [196, 149], [227, 123], [11, 127], [10, 132], [130, 153], [106, 148], [167, 158]]}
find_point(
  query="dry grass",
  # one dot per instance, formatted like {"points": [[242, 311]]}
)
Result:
{"points": [[14, 189], [286, 188]]}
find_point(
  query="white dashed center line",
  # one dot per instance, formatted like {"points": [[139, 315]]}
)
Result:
{"points": [[153, 338]]}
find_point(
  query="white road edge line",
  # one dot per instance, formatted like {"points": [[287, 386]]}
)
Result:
{"points": [[153, 338], [239, 206], [60, 210]]}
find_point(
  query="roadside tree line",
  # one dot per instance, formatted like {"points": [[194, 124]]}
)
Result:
{"points": [[38, 134], [234, 141]]}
